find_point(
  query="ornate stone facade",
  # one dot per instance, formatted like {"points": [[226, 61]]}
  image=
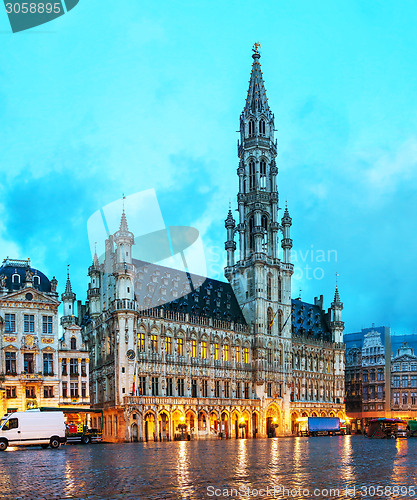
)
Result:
{"points": [[30, 338], [226, 359]]}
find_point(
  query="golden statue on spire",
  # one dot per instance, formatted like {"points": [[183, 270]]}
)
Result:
{"points": [[256, 45]]}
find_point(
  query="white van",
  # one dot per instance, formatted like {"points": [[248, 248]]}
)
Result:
{"points": [[24, 428]]}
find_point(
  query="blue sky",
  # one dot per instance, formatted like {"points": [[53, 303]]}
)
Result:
{"points": [[118, 97]]}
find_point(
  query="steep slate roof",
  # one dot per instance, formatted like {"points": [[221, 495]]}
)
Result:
{"points": [[309, 321], [179, 291]]}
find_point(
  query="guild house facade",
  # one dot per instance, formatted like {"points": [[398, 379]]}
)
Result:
{"points": [[222, 359], [35, 349]]}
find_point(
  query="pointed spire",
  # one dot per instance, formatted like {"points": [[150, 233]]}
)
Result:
{"points": [[336, 296], [68, 288], [336, 293], [123, 231], [286, 219], [123, 220], [256, 100], [230, 221], [95, 258]]}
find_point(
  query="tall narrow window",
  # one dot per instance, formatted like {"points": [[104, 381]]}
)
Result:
{"points": [[217, 388], [193, 348], [73, 343], [246, 391], [73, 366], [28, 364], [204, 349], [74, 389], [237, 354], [180, 387], [262, 173], [279, 289], [169, 345], [64, 366], [169, 386], [251, 128], [264, 222], [9, 323], [269, 319], [154, 343], [142, 386], [180, 347], [10, 363], [141, 341], [204, 388], [225, 352], [246, 355], [252, 177], [216, 351], [29, 323], [262, 127], [269, 287], [251, 237], [280, 321], [48, 363], [47, 325], [155, 386], [193, 388]]}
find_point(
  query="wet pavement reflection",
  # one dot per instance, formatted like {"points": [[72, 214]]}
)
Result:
{"points": [[300, 468]]}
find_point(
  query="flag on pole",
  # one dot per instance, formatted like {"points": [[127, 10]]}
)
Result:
{"points": [[273, 319], [286, 321]]}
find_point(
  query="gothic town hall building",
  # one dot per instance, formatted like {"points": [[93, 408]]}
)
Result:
{"points": [[230, 360]]}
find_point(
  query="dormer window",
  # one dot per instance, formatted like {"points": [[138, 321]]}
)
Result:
{"points": [[36, 280], [15, 279]]}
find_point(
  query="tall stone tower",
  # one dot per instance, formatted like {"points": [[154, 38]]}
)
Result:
{"points": [[261, 274]]}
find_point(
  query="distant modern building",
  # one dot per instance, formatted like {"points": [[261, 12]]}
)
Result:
{"points": [[30, 356]]}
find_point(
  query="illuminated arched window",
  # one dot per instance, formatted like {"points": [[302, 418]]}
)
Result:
{"points": [[269, 287], [252, 177]]}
